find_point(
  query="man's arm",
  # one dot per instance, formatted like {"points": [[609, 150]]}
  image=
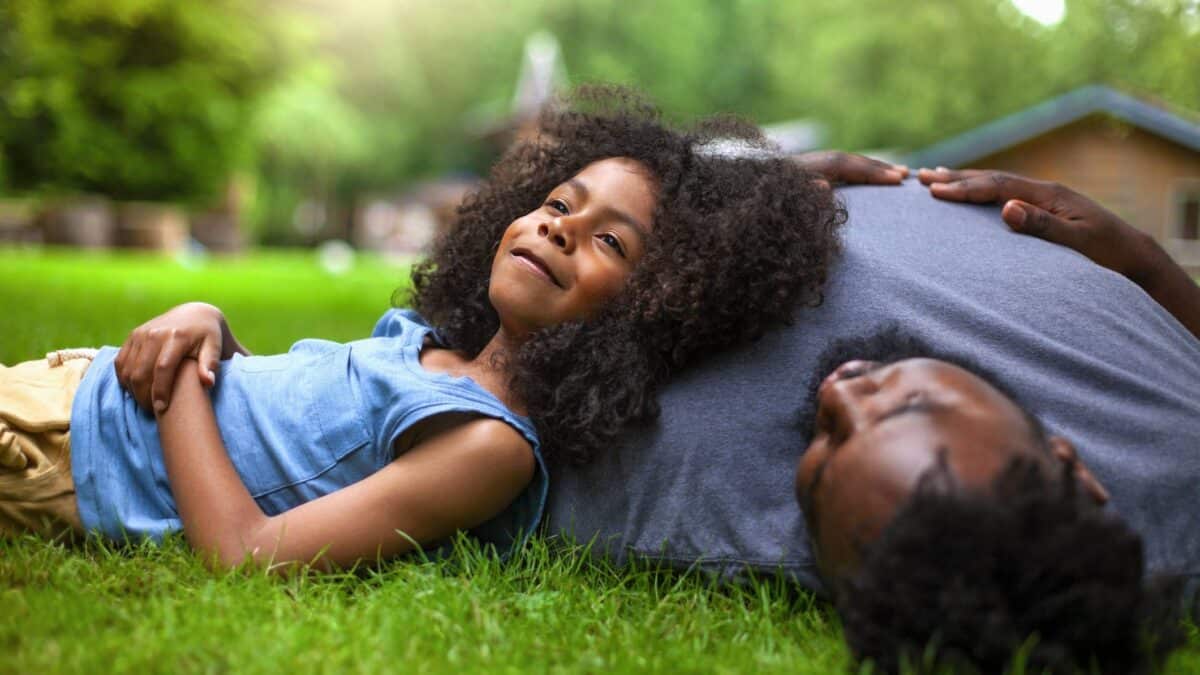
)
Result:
{"points": [[1173, 289], [1058, 214], [456, 479]]}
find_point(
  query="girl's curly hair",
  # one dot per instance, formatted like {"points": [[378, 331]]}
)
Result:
{"points": [[741, 236]]}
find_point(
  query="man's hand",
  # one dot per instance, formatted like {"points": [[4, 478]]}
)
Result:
{"points": [[845, 167], [1055, 213], [153, 352], [1058, 214]]}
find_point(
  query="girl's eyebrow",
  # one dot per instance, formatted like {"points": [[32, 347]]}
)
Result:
{"points": [[642, 230]]}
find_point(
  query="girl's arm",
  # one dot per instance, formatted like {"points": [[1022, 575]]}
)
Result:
{"points": [[457, 479], [153, 352]]}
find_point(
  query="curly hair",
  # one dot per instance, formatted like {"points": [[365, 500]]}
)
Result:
{"points": [[739, 240], [968, 579]]}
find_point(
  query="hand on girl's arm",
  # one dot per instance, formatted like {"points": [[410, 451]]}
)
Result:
{"points": [[151, 356], [456, 479], [846, 167], [1060, 215]]}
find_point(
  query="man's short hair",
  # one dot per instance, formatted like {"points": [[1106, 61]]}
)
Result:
{"points": [[969, 578]]}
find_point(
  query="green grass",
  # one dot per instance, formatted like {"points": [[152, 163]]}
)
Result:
{"points": [[156, 609]]}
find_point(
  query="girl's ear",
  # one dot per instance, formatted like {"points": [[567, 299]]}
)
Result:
{"points": [[1064, 451]]}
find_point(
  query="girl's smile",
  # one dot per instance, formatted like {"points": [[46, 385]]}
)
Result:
{"points": [[535, 264], [565, 259]]}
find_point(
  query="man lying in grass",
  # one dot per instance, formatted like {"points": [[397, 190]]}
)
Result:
{"points": [[711, 483], [946, 521]]}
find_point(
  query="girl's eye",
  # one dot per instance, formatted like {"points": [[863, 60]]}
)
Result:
{"points": [[611, 240], [558, 205]]}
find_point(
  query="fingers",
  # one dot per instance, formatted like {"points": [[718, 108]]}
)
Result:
{"points": [[860, 169], [1026, 218], [845, 167], [849, 168], [148, 363], [985, 187], [121, 359], [139, 371], [207, 362], [944, 175], [174, 349]]}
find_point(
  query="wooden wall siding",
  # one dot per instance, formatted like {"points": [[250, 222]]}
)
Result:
{"points": [[1130, 171]]}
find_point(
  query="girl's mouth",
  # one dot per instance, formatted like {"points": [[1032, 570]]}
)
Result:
{"points": [[535, 264]]}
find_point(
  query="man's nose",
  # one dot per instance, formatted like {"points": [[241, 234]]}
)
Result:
{"points": [[560, 232], [849, 398]]}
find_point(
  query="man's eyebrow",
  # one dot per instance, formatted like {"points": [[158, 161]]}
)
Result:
{"points": [[616, 213]]}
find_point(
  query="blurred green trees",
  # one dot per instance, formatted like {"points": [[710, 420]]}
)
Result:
{"points": [[136, 99], [325, 101]]}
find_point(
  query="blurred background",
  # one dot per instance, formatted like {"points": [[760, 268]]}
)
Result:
{"points": [[226, 124]]}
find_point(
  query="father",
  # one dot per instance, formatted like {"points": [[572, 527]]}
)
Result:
{"points": [[1098, 360]]}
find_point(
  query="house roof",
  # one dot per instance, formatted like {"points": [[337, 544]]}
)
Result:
{"points": [[1058, 112]]}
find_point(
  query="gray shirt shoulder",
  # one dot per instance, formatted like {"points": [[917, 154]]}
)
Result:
{"points": [[1091, 354]]}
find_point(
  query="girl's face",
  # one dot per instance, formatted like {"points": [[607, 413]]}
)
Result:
{"points": [[563, 260]]}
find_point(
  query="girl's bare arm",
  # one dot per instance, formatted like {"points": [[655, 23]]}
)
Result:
{"points": [[153, 352], [454, 480]]}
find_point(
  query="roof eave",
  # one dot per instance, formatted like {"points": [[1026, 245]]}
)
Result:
{"points": [[1053, 114]]}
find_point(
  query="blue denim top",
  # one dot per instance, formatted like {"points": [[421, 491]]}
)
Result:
{"points": [[297, 426]]}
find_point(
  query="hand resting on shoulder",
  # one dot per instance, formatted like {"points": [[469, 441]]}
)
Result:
{"points": [[849, 168], [1060, 215]]}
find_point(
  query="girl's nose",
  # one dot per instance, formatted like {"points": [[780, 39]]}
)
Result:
{"points": [[559, 233]]}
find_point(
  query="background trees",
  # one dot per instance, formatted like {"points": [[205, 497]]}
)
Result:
{"points": [[326, 100], [136, 99]]}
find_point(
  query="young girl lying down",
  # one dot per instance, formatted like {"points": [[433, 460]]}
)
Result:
{"points": [[595, 262]]}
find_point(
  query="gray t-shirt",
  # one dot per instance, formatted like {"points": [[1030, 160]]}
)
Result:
{"points": [[711, 482]]}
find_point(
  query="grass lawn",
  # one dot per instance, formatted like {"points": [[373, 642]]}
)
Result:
{"points": [[155, 609]]}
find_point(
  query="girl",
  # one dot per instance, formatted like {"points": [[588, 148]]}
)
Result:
{"points": [[596, 261]]}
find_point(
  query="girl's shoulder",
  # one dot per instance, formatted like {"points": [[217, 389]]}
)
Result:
{"points": [[400, 322]]}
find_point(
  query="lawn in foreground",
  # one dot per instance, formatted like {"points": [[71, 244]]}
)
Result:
{"points": [[155, 609]]}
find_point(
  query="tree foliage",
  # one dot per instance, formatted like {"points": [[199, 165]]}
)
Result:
{"points": [[331, 100], [137, 99]]}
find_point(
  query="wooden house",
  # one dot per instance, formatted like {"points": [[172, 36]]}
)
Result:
{"points": [[1137, 158]]}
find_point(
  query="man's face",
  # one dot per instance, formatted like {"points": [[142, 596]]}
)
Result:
{"points": [[880, 427]]}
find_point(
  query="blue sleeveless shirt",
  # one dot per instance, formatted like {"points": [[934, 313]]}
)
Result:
{"points": [[297, 426]]}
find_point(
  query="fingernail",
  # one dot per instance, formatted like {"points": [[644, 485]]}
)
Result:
{"points": [[902, 168], [942, 168], [1019, 214], [159, 406]]}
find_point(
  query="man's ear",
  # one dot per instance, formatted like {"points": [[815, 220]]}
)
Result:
{"points": [[1064, 451]]}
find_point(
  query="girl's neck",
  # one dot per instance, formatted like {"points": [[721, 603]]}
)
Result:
{"points": [[489, 369]]}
